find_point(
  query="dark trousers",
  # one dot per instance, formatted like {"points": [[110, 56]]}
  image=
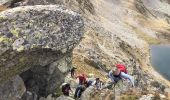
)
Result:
{"points": [[78, 92]]}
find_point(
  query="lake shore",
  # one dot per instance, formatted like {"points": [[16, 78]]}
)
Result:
{"points": [[153, 72]]}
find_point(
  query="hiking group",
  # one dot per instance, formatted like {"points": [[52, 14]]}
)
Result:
{"points": [[119, 72]]}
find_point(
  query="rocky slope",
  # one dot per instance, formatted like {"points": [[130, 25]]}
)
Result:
{"points": [[117, 31]]}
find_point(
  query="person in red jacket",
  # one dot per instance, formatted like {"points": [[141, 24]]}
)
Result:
{"points": [[120, 72], [82, 79], [122, 68]]}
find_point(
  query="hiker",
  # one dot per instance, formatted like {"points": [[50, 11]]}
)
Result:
{"points": [[72, 71], [82, 79], [117, 74], [66, 89], [122, 68], [97, 83], [79, 90]]}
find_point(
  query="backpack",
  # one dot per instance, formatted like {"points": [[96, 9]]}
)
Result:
{"points": [[66, 88], [121, 67]]}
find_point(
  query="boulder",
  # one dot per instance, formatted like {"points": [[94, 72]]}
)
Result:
{"points": [[37, 42], [44, 80], [86, 95], [9, 2], [64, 98], [13, 89], [29, 96], [36, 36], [4, 1], [147, 97], [167, 92]]}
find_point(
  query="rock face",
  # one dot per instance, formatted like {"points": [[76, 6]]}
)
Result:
{"points": [[39, 38], [12, 89], [4, 1], [44, 80], [64, 98]]}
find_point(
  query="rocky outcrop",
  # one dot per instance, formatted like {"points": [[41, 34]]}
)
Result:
{"points": [[13, 89], [64, 98], [82, 6], [44, 80], [4, 1], [41, 35], [37, 42]]}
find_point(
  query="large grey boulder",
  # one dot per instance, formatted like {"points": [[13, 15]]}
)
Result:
{"points": [[4, 1], [64, 98], [37, 42], [13, 89], [45, 80], [36, 35], [86, 95]]}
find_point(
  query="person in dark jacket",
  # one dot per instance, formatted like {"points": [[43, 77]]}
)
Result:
{"points": [[73, 71], [66, 89]]}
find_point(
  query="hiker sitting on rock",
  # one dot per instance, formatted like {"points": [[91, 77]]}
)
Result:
{"points": [[66, 89], [119, 72], [97, 83]]}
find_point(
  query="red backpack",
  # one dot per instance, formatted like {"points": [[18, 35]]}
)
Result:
{"points": [[121, 67]]}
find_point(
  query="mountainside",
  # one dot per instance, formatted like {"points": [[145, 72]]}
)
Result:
{"points": [[115, 31]]}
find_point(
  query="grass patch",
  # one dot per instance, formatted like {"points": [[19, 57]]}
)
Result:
{"points": [[145, 36], [83, 67], [129, 97], [2, 8], [86, 4]]}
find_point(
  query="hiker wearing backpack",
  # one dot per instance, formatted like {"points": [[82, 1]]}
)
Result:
{"points": [[82, 79], [66, 89], [119, 72]]}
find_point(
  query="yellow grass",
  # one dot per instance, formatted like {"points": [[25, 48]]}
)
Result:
{"points": [[2, 8], [84, 68], [146, 37]]}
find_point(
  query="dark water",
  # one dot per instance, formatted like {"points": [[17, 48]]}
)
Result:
{"points": [[160, 59]]}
